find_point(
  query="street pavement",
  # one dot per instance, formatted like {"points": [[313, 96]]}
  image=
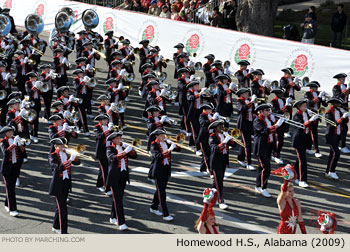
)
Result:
{"points": [[89, 209]]}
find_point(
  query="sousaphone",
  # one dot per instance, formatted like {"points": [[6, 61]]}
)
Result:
{"points": [[5, 25], [90, 19], [62, 22], [34, 24]]}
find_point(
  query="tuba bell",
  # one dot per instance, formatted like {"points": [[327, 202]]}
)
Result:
{"points": [[90, 19], [129, 76], [5, 25], [43, 87], [162, 75], [34, 24], [227, 64], [198, 66], [69, 11], [92, 82], [62, 22]]}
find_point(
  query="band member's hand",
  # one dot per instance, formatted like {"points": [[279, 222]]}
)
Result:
{"points": [[227, 139], [314, 118], [140, 93], [71, 98], [110, 126], [172, 147], [120, 86], [168, 141], [296, 80], [25, 60], [280, 122], [254, 97], [251, 70], [72, 157], [216, 116], [233, 86], [322, 93], [36, 84], [346, 115], [288, 101], [128, 149], [163, 118], [66, 127], [273, 118], [124, 60], [15, 141], [21, 113], [93, 51]]}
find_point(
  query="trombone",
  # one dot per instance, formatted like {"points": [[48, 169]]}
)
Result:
{"points": [[321, 114], [289, 121], [261, 100], [179, 144], [235, 134], [78, 150], [136, 144]]}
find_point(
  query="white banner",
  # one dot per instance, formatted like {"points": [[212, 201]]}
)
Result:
{"points": [[270, 54]]}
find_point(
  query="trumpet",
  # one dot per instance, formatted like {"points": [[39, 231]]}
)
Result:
{"points": [[263, 99], [24, 141], [120, 38], [77, 100], [117, 128], [289, 121], [321, 114], [165, 60], [162, 75], [3, 94], [180, 138]]}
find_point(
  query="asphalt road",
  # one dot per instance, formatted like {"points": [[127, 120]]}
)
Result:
{"points": [[89, 209]]}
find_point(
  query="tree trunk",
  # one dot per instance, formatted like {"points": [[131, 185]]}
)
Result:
{"points": [[256, 16]]}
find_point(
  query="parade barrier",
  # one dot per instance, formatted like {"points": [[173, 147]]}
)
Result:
{"points": [[270, 54]]}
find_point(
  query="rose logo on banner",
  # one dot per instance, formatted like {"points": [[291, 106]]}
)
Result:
{"points": [[300, 65], [242, 53], [7, 4], [148, 33], [192, 44], [301, 61], [108, 25], [149, 30], [76, 15], [40, 9]]}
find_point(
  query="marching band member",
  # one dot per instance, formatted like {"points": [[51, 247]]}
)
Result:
{"points": [[144, 53], [155, 121], [182, 82], [110, 44], [333, 134], [180, 48], [90, 53], [219, 157], [160, 171], [288, 83], [61, 65], [81, 64], [301, 138], [107, 108], [194, 101], [60, 129], [315, 100], [259, 87], [280, 105], [32, 86], [20, 125], [117, 95], [102, 130], [243, 74], [157, 60], [147, 76], [81, 87], [216, 69], [47, 76], [264, 128], [60, 163], [224, 95], [80, 41], [206, 69], [205, 119], [4, 85], [58, 107], [290, 210], [245, 109], [157, 96], [12, 153], [22, 68], [341, 90], [127, 53], [118, 174]]}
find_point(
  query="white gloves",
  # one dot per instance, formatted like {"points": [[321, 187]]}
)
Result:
{"points": [[128, 149], [160, 57], [65, 61], [140, 93], [86, 78], [110, 125], [163, 92], [15, 141], [190, 63], [254, 97], [251, 70], [280, 122], [216, 116], [296, 79], [233, 86], [288, 101], [93, 51], [124, 60], [163, 119], [322, 93], [345, 115], [314, 118], [71, 98], [192, 77], [168, 141], [7, 47], [120, 86], [36, 85], [265, 83], [172, 147], [72, 157], [26, 60], [272, 117], [67, 113], [66, 127], [227, 139]]}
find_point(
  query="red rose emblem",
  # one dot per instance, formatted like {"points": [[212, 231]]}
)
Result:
{"points": [[76, 15], [284, 173], [149, 32], [244, 51], [321, 219], [109, 23], [193, 41], [40, 9], [300, 63], [8, 4]]}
